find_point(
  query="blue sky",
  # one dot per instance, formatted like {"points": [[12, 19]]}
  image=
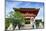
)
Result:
{"points": [[11, 4]]}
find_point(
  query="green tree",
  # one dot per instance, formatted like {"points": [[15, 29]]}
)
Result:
{"points": [[7, 23], [17, 19], [8, 20]]}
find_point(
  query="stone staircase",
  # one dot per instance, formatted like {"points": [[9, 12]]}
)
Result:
{"points": [[26, 27]]}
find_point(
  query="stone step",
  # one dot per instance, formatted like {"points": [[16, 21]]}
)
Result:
{"points": [[27, 26]]}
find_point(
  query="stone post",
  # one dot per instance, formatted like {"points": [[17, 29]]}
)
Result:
{"points": [[32, 21], [34, 24]]}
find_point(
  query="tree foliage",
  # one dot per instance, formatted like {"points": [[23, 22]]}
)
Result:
{"points": [[18, 18], [14, 18]]}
